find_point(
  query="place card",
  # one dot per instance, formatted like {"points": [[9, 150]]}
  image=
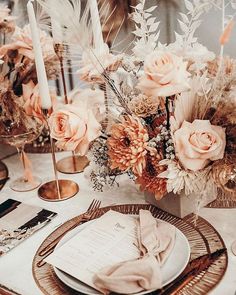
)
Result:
{"points": [[19, 221], [106, 241]]}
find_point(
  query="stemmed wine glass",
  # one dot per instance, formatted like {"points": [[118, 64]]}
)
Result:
{"points": [[26, 182]]}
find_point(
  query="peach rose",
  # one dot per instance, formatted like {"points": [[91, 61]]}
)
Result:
{"points": [[32, 100], [198, 143], [95, 61], [165, 74], [74, 128], [22, 42]]}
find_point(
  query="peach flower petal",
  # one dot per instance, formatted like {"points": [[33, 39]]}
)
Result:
{"points": [[198, 143], [74, 127], [22, 41], [165, 74]]}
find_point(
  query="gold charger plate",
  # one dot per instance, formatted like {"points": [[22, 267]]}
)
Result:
{"points": [[3, 174], [203, 239]]}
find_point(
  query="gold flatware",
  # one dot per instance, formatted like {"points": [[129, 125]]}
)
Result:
{"points": [[192, 270], [95, 204], [91, 213]]}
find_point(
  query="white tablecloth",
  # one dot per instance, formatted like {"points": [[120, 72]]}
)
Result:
{"points": [[16, 266]]}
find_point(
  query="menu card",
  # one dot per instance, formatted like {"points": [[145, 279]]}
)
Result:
{"points": [[108, 240]]}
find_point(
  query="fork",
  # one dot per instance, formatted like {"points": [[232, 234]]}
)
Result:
{"points": [[91, 213], [95, 204], [92, 209]]}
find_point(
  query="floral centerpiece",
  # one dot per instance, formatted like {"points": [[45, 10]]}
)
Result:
{"points": [[171, 109]]}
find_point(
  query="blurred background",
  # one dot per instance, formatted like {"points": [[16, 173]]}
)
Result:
{"points": [[167, 12]]}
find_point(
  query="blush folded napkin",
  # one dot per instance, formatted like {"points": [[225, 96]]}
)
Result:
{"points": [[155, 241]]}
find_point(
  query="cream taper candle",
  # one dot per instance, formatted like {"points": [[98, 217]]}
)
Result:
{"points": [[39, 62], [96, 24]]}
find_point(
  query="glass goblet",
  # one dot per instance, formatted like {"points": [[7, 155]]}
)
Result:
{"points": [[26, 182]]}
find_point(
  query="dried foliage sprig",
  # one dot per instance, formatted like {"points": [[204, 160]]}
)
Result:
{"points": [[146, 30], [191, 21], [100, 174]]}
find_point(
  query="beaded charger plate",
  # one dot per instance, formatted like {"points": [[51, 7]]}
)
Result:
{"points": [[203, 239]]}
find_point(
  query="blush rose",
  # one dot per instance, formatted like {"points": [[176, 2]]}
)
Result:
{"points": [[165, 74], [32, 100], [22, 41], [198, 143], [74, 128]]}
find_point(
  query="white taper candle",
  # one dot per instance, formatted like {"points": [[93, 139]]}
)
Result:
{"points": [[96, 24], [39, 62]]}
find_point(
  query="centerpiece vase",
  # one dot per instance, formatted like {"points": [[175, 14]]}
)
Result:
{"points": [[181, 204]]}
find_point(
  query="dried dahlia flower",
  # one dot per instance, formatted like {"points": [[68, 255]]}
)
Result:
{"points": [[149, 180], [127, 146], [144, 106]]}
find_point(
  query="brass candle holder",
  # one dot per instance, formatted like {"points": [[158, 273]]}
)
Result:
{"points": [[57, 189], [74, 163]]}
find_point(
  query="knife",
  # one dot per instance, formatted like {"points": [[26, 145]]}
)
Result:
{"points": [[194, 268]]}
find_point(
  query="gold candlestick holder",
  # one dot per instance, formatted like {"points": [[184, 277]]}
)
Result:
{"points": [[57, 189], [74, 163]]}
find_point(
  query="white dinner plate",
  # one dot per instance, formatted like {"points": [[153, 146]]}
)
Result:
{"points": [[172, 268]]}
